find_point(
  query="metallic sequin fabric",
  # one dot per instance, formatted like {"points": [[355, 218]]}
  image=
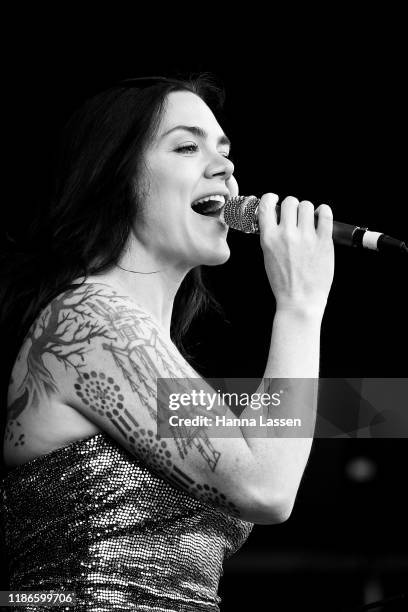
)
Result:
{"points": [[92, 518]]}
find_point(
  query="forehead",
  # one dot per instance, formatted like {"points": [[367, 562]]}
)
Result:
{"points": [[185, 108]]}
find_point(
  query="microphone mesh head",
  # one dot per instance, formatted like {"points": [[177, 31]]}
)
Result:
{"points": [[241, 213]]}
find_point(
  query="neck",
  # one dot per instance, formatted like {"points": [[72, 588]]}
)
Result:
{"points": [[150, 282]]}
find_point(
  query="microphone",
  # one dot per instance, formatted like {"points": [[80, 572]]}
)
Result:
{"points": [[241, 213]]}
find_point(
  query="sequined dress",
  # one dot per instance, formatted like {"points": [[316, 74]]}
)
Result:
{"points": [[92, 518]]}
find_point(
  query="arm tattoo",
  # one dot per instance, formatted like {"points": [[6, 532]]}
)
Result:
{"points": [[136, 350], [132, 338], [102, 394]]}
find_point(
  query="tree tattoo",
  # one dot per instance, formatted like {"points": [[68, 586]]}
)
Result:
{"points": [[63, 332]]}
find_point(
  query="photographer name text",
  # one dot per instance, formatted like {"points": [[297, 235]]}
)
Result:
{"points": [[224, 421]]}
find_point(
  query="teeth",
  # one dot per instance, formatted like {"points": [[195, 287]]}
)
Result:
{"points": [[218, 198]]}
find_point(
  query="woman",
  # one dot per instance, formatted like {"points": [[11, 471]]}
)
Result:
{"points": [[94, 500]]}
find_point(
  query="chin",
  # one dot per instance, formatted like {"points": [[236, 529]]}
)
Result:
{"points": [[217, 257]]}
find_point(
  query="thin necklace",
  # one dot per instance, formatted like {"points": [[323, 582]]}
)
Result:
{"points": [[135, 271]]}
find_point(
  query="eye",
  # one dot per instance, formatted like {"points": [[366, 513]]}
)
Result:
{"points": [[192, 148]]}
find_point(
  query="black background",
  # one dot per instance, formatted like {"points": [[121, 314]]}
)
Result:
{"points": [[315, 114]]}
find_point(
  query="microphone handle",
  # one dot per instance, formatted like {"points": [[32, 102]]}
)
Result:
{"points": [[241, 213]]}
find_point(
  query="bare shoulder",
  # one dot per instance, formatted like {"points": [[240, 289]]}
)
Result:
{"points": [[40, 415]]}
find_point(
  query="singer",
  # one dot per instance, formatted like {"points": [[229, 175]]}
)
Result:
{"points": [[95, 305]]}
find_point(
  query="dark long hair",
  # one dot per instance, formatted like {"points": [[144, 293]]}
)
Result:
{"points": [[90, 215]]}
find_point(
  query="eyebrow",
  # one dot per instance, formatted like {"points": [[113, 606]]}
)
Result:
{"points": [[199, 132]]}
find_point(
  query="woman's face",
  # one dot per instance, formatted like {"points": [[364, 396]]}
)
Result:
{"points": [[181, 167]]}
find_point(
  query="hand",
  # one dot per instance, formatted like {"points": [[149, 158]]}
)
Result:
{"points": [[299, 258], [232, 186]]}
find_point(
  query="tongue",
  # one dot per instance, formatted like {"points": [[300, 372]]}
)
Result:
{"points": [[210, 207]]}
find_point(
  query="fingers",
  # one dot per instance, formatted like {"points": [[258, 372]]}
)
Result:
{"points": [[325, 221], [288, 212], [294, 214], [297, 214], [267, 218], [306, 216]]}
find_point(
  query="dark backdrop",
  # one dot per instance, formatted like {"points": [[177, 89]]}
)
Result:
{"points": [[325, 126]]}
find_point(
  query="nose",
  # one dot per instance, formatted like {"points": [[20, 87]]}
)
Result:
{"points": [[219, 166]]}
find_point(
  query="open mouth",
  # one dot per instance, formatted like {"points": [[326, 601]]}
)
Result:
{"points": [[209, 207]]}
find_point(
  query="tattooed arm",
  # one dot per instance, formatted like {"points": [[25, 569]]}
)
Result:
{"points": [[101, 354]]}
